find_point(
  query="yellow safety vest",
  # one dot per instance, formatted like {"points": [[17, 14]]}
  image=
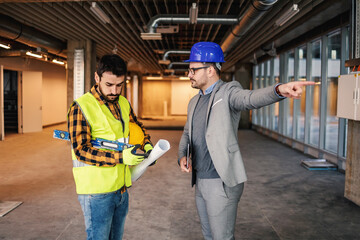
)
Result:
{"points": [[92, 179]]}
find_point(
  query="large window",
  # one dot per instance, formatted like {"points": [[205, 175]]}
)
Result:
{"points": [[311, 119], [289, 104], [315, 93], [266, 110], [275, 124], [333, 72], [261, 85], [256, 79], [299, 114]]}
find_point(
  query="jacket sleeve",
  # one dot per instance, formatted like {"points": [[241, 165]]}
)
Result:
{"points": [[243, 99], [184, 141]]}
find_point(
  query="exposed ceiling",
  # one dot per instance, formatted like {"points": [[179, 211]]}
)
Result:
{"points": [[65, 20]]}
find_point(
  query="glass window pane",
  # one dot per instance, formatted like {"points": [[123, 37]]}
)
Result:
{"points": [[348, 70], [276, 105], [266, 84], [315, 93], [332, 122], [290, 101], [300, 115], [261, 85], [255, 83]]}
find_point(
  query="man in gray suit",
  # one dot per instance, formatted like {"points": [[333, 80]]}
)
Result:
{"points": [[210, 134]]}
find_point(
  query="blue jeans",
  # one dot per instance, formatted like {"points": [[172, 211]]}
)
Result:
{"points": [[105, 215]]}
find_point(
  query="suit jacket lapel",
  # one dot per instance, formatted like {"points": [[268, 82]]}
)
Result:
{"points": [[216, 88]]}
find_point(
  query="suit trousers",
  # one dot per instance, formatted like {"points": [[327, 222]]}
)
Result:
{"points": [[217, 207]]}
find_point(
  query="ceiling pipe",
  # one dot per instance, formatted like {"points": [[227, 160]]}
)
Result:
{"points": [[167, 53], [255, 10], [165, 59], [185, 19], [177, 63], [14, 30], [253, 13]]}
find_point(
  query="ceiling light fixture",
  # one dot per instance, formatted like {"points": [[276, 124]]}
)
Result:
{"points": [[169, 71], [99, 13], [33, 54], [164, 62], [58, 62], [184, 78], [158, 51], [154, 78], [287, 15], [151, 36], [6, 46]]}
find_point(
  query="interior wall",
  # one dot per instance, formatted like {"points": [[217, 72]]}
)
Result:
{"points": [[54, 92], [154, 94], [181, 93], [176, 94]]}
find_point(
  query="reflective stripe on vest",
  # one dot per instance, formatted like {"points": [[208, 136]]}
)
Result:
{"points": [[92, 179]]}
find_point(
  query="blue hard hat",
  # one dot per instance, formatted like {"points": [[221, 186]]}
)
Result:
{"points": [[206, 52]]}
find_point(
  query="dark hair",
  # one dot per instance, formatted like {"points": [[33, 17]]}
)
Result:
{"points": [[111, 63]]}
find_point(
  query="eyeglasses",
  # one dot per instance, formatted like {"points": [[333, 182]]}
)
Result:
{"points": [[192, 70]]}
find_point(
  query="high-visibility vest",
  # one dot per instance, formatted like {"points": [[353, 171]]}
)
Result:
{"points": [[92, 179]]}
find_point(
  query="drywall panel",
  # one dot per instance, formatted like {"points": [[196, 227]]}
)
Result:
{"points": [[181, 93], [31, 88], [154, 95], [54, 86]]}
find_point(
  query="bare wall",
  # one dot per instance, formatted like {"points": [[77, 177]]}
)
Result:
{"points": [[176, 94], [54, 93], [154, 93]]}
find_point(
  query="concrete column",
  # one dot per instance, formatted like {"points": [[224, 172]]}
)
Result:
{"points": [[135, 94], [89, 66], [243, 74], [352, 172]]}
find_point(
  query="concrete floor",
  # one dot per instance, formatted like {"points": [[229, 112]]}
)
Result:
{"points": [[281, 200]]}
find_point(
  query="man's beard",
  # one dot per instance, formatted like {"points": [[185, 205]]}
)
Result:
{"points": [[110, 95], [109, 100], [193, 83]]}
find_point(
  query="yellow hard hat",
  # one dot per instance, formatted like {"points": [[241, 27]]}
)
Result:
{"points": [[136, 135]]}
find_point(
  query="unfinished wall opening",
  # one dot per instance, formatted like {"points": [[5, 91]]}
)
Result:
{"points": [[10, 101]]}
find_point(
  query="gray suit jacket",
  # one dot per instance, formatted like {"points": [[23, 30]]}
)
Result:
{"points": [[223, 115]]}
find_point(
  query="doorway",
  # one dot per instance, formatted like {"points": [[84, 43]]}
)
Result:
{"points": [[10, 101]]}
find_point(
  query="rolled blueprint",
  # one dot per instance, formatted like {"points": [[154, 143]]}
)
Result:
{"points": [[161, 147]]}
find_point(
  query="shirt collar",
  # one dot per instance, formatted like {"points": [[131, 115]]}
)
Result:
{"points": [[96, 92], [209, 89]]}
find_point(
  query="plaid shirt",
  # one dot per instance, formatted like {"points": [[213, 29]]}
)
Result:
{"points": [[80, 134]]}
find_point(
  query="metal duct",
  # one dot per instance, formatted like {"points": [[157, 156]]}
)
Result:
{"points": [[177, 63], [181, 18], [167, 53], [12, 53], [14, 30], [253, 13]]}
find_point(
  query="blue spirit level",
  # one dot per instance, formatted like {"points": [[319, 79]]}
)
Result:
{"points": [[98, 142]]}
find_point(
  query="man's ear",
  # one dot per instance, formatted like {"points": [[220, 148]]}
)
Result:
{"points": [[97, 78], [212, 71]]}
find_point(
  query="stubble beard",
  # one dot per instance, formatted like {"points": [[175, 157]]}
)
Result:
{"points": [[107, 96]]}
